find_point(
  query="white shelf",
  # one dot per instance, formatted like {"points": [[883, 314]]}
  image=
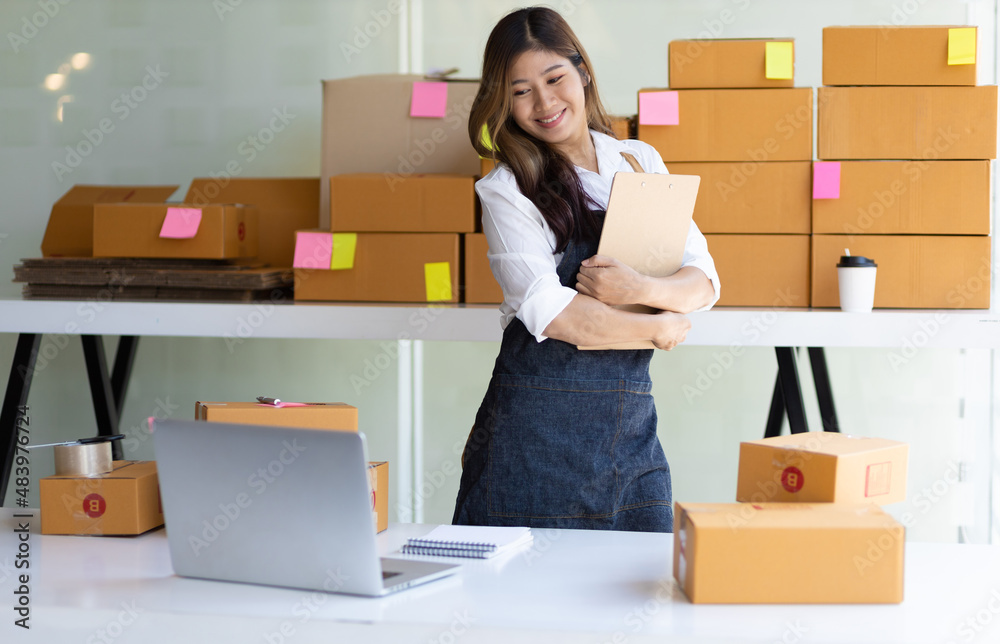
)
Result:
{"points": [[480, 323]]}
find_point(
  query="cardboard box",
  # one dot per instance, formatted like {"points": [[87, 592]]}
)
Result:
{"points": [[418, 203], [723, 63], [378, 479], [910, 122], [908, 197], [623, 127], [367, 127], [752, 197], [227, 231], [70, 231], [480, 285], [338, 416], [762, 270], [284, 205], [788, 553], [886, 55], [736, 125], [125, 501], [914, 271], [388, 267], [822, 467]]}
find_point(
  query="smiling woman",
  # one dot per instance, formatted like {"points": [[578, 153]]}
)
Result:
{"points": [[566, 438]]}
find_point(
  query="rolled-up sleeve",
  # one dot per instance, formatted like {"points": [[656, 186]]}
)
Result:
{"points": [[521, 256], [696, 254]]}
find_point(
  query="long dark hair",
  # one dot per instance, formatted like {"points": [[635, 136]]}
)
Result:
{"points": [[543, 175]]}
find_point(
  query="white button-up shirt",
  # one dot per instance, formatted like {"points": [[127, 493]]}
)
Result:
{"points": [[522, 245]]}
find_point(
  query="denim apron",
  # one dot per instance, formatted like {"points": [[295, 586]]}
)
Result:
{"points": [[566, 438]]}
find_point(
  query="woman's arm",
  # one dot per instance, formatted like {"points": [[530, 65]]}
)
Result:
{"points": [[612, 282], [589, 322]]}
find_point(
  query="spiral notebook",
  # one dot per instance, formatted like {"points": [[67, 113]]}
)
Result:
{"points": [[477, 542]]}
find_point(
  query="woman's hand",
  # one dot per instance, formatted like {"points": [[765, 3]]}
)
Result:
{"points": [[610, 281], [672, 330]]}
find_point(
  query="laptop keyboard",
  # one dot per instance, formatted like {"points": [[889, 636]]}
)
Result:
{"points": [[388, 575]]}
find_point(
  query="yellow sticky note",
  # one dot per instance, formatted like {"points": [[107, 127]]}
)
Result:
{"points": [[778, 60], [962, 46], [344, 245], [437, 279]]}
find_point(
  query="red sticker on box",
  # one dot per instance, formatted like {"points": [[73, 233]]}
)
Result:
{"points": [[94, 505], [792, 479]]}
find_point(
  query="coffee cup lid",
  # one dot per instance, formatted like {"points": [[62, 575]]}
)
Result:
{"points": [[855, 260]]}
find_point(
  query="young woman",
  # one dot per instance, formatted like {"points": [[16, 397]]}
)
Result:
{"points": [[566, 438]]}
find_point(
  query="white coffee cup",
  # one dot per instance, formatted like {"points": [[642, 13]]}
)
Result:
{"points": [[856, 277]]}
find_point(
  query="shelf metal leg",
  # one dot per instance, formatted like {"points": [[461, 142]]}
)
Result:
{"points": [[791, 390], [22, 370], [101, 392], [824, 392], [776, 416], [122, 372]]}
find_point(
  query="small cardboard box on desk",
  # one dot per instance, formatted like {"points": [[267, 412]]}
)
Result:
{"points": [[338, 416], [822, 467], [329, 416], [124, 501]]}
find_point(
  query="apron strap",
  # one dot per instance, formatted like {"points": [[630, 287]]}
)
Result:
{"points": [[632, 162]]}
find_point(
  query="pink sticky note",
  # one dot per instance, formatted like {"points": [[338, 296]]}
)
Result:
{"points": [[284, 404], [181, 223], [826, 180], [430, 100], [313, 250], [659, 108]]}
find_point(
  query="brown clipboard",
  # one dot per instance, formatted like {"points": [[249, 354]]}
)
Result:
{"points": [[646, 228]]}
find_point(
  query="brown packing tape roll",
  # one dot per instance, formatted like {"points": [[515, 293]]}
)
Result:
{"points": [[88, 459]]}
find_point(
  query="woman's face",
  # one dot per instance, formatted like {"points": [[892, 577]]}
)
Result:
{"points": [[547, 96]]}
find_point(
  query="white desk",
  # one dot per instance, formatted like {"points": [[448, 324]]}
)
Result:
{"points": [[574, 586]]}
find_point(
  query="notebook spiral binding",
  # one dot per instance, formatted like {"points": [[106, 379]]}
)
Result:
{"points": [[465, 545], [447, 550]]}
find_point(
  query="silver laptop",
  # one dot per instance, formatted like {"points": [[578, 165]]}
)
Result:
{"points": [[278, 506]]}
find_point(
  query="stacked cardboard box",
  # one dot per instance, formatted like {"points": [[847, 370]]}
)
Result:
{"points": [[127, 242], [283, 205], [805, 528], [480, 285], [733, 117], [137, 221], [393, 208], [905, 138]]}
